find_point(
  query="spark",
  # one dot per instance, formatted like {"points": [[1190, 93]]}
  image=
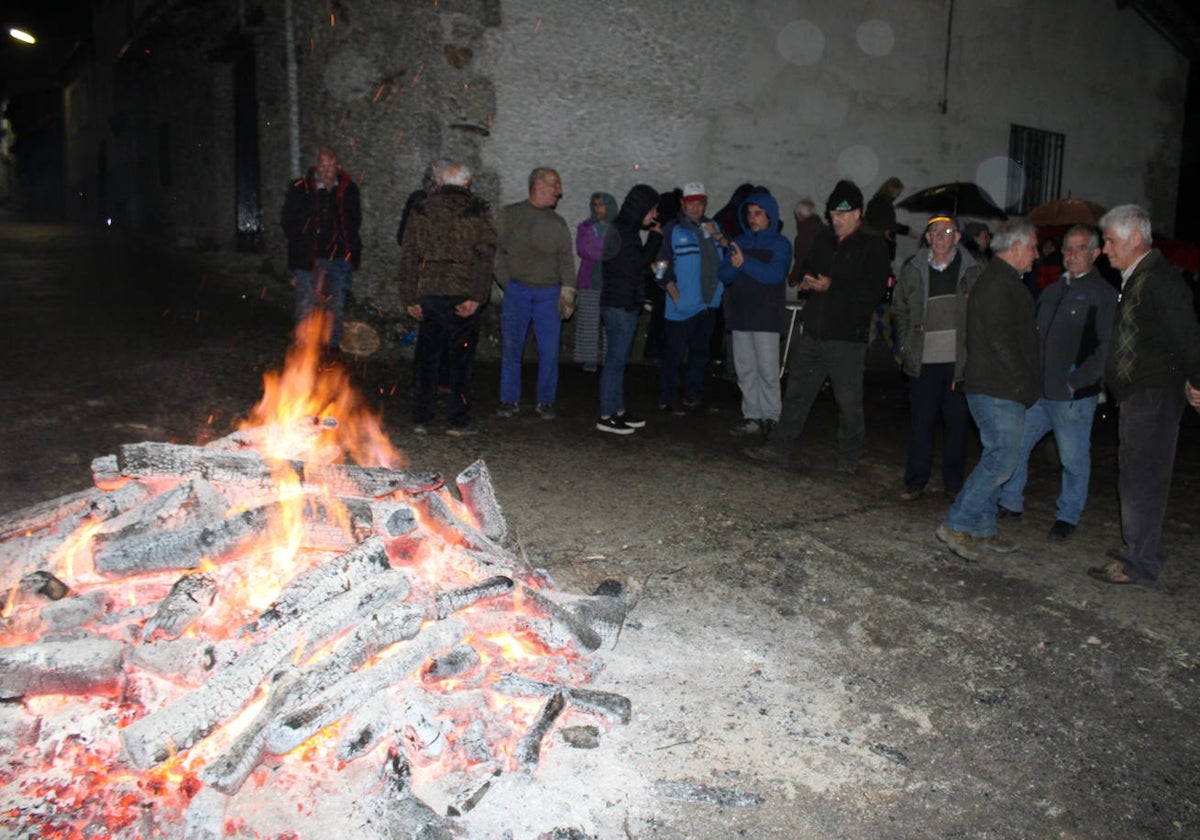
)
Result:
{"points": [[21, 35], [379, 93]]}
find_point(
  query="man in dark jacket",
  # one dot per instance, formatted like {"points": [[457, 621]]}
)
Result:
{"points": [[1002, 378], [446, 261], [845, 275], [1074, 318], [321, 220], [1153, 367], [626, 262]]}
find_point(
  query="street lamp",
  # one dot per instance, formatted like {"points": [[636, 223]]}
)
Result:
{"points": [[21, 35]]}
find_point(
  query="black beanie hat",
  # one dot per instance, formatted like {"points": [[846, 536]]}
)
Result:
{"points": [[845, 196]]}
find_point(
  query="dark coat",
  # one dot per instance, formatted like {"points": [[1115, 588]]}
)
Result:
{"points": [[1003, 348], [1075, 324], [627, 259], [858, 267], [756, 294], [449, 247], [307, 241]]}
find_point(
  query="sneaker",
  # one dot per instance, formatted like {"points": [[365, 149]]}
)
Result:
{"points": [[546, 411], [675, 410], [420, 429], [631, 420], [1003, 513], [507, 410], [766, 454], [767, 427], [998, 544], [748, 428], [911, 494], [960, 542], [700, 407], [460, 431], [1061, 530], [614, 425]]}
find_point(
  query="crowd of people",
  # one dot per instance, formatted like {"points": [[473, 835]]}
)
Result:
{"points": [[976, 333]]}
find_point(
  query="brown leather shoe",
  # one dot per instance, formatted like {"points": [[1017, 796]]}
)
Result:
{"points": [[1113, 572]]}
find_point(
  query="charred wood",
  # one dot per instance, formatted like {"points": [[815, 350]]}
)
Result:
{"points": [[477, 493], [46, 514], [182, 548], [462, 659], [370, 723], [78, 666], [189, 597], [452, 600], [563, 619], [335, 702], [317, 585], [611, 706], [151, 740], [126, 497], [439, 512], [230, 769], [46, 585], [67, 617], [143, 460], [195, 501], [529, 748], [398, 815]]}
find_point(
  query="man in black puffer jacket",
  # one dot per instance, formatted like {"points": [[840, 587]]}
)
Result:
{"points": [[626, 261]]}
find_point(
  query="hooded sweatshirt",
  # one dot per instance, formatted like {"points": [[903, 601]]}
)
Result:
{"points": [[626, 258], [756, 293]]}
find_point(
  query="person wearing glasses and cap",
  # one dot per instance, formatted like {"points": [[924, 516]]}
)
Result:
{"points": [[929, 315]]}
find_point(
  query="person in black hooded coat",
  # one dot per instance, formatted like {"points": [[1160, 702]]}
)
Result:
{"points": [[626, 261]]}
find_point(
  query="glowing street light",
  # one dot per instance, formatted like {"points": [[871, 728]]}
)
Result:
{"points": [[21, 35]]}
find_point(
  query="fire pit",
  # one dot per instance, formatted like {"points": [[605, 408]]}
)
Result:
{"points": [[275, 615]]}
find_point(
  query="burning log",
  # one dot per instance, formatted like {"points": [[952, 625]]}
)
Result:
{"points": [[230, 769], [605, 703], [397, 814], [461, 660], [196, 501], [124, 498], [188, 598], [44, 584], [367, 726], [529, 748], [249, 469], [440, 513], [317, 585], [477, 493], [184, 547], [151, 740], [77, 666], [453, 600], [335, 702], [66, 617], [46, 515], [563, 619]]}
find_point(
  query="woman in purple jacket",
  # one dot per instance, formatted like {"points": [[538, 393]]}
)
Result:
{"points": [[589, 245]]}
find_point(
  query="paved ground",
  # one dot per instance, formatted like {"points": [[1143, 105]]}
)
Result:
{"points": [[802, 641]]}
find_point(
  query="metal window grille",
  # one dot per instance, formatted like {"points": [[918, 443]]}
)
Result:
{"points": [[1037, 175]]}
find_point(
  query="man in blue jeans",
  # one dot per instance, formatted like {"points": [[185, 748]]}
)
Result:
{"points": [[535, 264], [1074, 317], [1002, 378]]}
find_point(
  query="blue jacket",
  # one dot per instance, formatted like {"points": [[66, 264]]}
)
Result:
{"points": [[682, 243], [756, 300]]}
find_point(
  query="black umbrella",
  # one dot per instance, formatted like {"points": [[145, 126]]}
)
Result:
{"points": [[962, 198]]}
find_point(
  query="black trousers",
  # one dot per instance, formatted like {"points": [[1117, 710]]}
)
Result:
{"points": [[1149, 429], [444, 340], [930, 400]]}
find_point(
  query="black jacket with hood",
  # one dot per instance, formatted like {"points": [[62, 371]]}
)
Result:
{"points": [[626, 258]]}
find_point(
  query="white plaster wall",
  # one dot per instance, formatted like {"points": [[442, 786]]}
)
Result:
{"points": [[795, 95]]}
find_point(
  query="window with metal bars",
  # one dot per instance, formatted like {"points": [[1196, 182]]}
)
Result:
{"points": [[1036, 176]]}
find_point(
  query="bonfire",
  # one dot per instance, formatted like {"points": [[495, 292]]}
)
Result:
{"points": [[214, 639]]}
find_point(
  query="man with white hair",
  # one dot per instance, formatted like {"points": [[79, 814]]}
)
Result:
{"points": [[1001, 378], [1153, 367], [446, 260]]}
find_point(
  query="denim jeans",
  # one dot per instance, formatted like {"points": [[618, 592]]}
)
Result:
{"points": [[1148, 426], [324, 287], [688, 338], [931, 398], [1001, 424], [1071, 422], [525, 305], [444, 336], [620, 326]]}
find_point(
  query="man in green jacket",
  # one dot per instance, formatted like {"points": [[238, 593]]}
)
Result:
{"points": [[1153, 368]]}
